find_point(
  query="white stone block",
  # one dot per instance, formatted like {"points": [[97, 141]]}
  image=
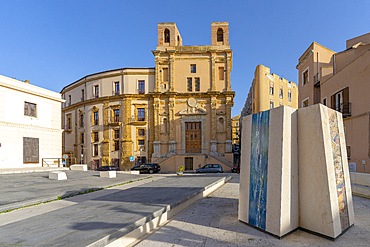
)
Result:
{"points": [[268, 196], [294, 172], [325, 194], [135, 172], [108, 174], [78, 167], [57, 175]]}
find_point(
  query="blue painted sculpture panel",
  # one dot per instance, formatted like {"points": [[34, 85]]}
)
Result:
{"points": [[258, 169]]}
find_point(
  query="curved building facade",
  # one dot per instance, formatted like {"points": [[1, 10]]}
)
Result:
{"points": [[175, 114]]}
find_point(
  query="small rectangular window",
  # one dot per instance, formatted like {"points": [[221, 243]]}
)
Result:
{"points": [[96, 91], [289, 95], [96, 118], [221, 73], [30, 109], [141, 132], [116, 88], [165, 75], [95, 150], [69, 99], [190, 84], [116, 115], [116, 134], [197, 84], [305, 77], [140, 114], [82, 94], [305, 103], [271, 104], [193, 68], [69, 122], [96, 136], [141, 144], [271, 88], [281, 93], [141, 87]]}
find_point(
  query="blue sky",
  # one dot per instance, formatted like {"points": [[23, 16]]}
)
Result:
{"points": [[54, 43]]}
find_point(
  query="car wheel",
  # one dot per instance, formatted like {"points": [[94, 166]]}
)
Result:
{"points": [[151, 171]]}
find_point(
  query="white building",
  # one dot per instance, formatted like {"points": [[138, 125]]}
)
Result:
{"points": [[30, 124]]}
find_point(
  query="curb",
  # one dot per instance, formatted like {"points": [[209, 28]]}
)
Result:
{"points": [[131, 235]]}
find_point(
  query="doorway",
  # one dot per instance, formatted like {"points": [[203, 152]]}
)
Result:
{"points": [[193, 137], [188, 163]]}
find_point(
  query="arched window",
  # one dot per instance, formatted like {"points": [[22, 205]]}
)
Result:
{"points": [[166, 36], [220, 35]]}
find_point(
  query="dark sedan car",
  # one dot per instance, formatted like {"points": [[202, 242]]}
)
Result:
{"points": [[147, 168]]}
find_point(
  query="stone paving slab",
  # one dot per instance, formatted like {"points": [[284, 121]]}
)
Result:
{"points": [[213, 221], [85, 219], [23, 189]]}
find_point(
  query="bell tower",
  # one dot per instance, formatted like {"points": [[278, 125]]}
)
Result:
{"points": [[220, 34], [168, 35]]}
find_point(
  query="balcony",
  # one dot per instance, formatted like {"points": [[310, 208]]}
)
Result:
{"points": [[344, 108], [115, 120], [137, 120]]}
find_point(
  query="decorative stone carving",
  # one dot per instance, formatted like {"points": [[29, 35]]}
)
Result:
{"points": [[192, 108]]}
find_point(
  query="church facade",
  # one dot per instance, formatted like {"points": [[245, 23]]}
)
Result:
{"points": [[175, 114]]}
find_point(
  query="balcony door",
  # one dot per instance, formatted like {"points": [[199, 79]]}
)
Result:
{"points": [[339, 101], [193, 137]]}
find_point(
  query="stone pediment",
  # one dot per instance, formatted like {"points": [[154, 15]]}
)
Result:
{"points": [[192, 111], [192, 108]]}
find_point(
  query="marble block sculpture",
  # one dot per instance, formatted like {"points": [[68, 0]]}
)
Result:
{"points": [[294, 172], [268, 197]]}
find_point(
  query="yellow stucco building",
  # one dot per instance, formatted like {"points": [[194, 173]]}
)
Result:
{"points": [[177, 113], [268, 91]]}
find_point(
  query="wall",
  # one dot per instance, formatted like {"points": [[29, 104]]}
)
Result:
{"points": [[14, 125]]}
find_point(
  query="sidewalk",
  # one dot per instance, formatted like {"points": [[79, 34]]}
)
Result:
{"points": [[117, 215], [213, 221]]}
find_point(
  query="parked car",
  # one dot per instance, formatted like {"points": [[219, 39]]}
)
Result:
{"points": [[235, 169], [107, 168], [147, 168], [210, 168]]}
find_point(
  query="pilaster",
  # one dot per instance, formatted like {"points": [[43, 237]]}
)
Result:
{"points": [[126, 141], [213, 117], [228, 70], [172, 72], [213, 72], [105, 142], [171, 108]]}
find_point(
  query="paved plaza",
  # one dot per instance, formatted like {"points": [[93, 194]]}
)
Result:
{"points": [[213, 222], [101, 217]]}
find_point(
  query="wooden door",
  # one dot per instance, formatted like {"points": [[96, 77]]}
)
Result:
{"points": [[188, 163], [193, 137]]}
